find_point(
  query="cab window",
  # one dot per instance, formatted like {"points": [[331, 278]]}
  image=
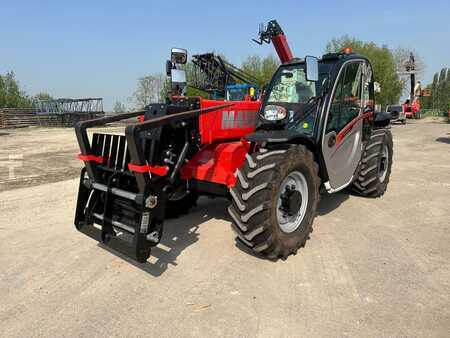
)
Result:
{"points": [[368, 95], [346, 101]]}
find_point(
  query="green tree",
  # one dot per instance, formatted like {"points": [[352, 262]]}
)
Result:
{"points": [[2, 92], [442, 94], [11, 96], [383, 63], [434, 91], [261, 68], [447, 92]]}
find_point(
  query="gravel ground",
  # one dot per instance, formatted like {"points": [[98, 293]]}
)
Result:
{"points": [[371, 268]]}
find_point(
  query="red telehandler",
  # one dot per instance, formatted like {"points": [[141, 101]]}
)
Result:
{"points": [[313, 128]]}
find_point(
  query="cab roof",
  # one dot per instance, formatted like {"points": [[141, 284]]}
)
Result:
{"points": [[330, 57]]}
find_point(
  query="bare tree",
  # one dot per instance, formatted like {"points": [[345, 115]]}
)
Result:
{"points": [[149, 90], [119, 108], [402, 56], [402, 59]]}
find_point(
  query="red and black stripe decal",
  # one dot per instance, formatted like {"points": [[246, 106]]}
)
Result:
{"points": [[346, 130], [157, 170], [90, 158]]}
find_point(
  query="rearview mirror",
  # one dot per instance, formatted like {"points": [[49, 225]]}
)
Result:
{"points": [[178, 82], [178, 76], [312, 68], [179, 55]]}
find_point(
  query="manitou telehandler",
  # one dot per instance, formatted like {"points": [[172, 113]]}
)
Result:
{"points": [[313, 129]]}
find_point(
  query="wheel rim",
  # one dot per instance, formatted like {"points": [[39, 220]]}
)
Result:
{"points": [[293, 190], [384, 163]]}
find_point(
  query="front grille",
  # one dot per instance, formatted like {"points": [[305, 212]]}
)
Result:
{"points": [[113, 149]]}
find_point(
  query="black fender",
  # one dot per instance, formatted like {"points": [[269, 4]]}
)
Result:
{"points": [[279, 139], [382, 119], [277, 136]]}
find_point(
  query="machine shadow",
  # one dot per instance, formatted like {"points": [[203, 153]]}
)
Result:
{"points": [[178, 234], [182, 232], [443, 140], [330, 202]]}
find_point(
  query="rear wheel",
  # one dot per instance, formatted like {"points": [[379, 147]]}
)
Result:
{"points": [[180, 202], [375, 171], [274, 200]]}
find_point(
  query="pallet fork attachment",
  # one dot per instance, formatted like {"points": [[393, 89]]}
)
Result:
{"points": [[122, 192]]}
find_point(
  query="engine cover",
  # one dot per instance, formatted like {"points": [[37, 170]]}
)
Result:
{"points": [[217, 163]]}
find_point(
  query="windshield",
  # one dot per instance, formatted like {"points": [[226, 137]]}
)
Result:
{"points": [[290, 89], [291, 86]]}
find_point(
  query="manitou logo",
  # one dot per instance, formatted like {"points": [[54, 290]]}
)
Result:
{"points": [[238, 119]]}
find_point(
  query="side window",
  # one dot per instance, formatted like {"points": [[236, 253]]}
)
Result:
{"points": [[346, 102], [368, 99]]}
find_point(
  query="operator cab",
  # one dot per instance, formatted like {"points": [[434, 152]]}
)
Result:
{"points": [[327, 104], [303, 93]]}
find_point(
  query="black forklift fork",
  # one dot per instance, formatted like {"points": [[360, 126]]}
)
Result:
{"points": [[151, 188]]}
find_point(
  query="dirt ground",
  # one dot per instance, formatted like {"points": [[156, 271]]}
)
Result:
{"points": [[371, 268], [38, 156]]}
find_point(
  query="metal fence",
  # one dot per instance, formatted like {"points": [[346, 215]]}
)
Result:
{"points": [[67, 105], [63, 112], [23, 117]]}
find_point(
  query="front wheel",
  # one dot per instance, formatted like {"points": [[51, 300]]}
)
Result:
{"points": [[275, 199]]}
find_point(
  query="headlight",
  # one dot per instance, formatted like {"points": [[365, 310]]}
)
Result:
{"points": [[274, 113]]}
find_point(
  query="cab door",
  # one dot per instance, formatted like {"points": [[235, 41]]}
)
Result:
{"points": [[342, 133]]}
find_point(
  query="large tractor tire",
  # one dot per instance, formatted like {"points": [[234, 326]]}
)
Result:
{"points": [[376, 164], [275, 199]]}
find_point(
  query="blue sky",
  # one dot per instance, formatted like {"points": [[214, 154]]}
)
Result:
{"points": [[100, 48]]}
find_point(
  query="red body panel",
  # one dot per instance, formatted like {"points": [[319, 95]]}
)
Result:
{"points": [[229, 124], [217, 163], [223, 150]]}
